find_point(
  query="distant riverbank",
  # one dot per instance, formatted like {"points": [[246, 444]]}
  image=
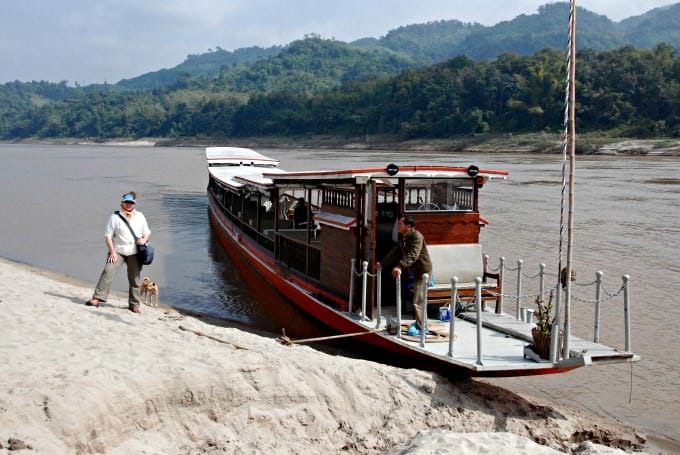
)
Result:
{"points": [[587, 144]]}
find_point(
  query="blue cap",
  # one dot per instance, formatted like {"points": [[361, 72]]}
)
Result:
{"points": [[128, 198]]}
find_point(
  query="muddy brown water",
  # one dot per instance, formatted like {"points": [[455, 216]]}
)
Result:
{"points": [[56, 199]]}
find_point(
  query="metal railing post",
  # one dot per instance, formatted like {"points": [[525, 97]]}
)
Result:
{"points": [[555, 330], [626, 312], [452, 311], [378, 296], [541, 282], [478, 298], [397, 282], [519, 288], [351, 285], [501, 279], [423, 317], [364, 284], [485, 260], [598, 302]]}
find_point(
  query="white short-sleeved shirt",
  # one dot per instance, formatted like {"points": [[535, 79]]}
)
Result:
{"points": [[117, 230]]}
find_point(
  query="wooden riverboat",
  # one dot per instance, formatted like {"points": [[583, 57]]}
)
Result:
{"points": [[323, 260]]}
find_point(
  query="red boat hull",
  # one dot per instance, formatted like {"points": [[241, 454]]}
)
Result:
{"points": [[257, 266]]}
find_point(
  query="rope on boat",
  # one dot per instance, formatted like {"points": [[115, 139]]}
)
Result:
{"points": [[284, 340], [565, 134], [219, 340]]}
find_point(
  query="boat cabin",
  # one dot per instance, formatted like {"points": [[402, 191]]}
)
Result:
{"points": [[316, 224]]}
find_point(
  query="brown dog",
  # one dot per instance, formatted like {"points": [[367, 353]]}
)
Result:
{"points": [[148, 292]]}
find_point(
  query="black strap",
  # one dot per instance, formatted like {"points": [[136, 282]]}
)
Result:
{"points": [[128, 225]]}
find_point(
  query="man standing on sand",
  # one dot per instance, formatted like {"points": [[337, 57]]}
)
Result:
{"points": [[411, 253]]}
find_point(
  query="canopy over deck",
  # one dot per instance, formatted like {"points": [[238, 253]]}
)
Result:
{"points": [[386, 173], [237, 167]]}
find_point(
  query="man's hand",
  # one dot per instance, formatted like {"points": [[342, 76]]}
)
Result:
{"points": [[112, 258]]}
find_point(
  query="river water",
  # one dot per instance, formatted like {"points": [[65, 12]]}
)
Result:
{"points": [[56, 200]]}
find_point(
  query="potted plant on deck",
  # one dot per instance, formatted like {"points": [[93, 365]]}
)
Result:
{"points": [[544, 322]]}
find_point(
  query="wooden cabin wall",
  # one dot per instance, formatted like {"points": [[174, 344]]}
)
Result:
{"points": [[448, 227], [337, 251]]}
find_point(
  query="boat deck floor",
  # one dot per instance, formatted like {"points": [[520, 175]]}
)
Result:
{"points": [[504, 343]]}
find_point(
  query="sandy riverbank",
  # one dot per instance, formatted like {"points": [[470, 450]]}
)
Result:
{"points": [[77, 379]]}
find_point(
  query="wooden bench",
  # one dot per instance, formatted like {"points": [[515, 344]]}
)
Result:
{"points": [[465, 261]]}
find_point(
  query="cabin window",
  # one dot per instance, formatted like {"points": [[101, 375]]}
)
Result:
{"points": [[426, 195], [339, 197], [388, 204], [288, 201]]}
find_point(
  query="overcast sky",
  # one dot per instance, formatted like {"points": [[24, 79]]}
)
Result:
{"points": [[91, 41]]}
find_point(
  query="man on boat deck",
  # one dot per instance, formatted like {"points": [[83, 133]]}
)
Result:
{"points": [[300, 213], [411, 253]]}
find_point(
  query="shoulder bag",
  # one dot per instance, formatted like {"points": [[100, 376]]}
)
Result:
{"points": [[144, 252]]}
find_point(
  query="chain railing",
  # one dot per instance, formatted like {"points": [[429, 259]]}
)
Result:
{"points": [[601, 295], [522, 313], [364, 288]]}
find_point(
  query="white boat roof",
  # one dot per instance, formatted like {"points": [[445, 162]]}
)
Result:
{"points": [[217, 156], [238, 176], [236, 166], [373, 173]]}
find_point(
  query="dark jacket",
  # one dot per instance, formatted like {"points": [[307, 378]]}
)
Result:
{"points": [[410, 253], [300, 215]]}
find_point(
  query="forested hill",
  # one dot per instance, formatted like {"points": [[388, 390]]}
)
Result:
{"points": [[308, 66], [199, 65], [527, 34], [437, 41], [497, 80], [632, 92]]}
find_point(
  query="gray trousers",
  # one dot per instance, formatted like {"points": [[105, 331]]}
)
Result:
{"points": [[134, 269]]}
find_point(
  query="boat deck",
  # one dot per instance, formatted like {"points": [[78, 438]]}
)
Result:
{"points": [[504, 343]]}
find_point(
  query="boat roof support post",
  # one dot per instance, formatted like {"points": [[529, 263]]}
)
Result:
{"points": [[309, 218], [276, 208], [242, 214], [258, 214], [401, 193], [358, 227], [372, 245]]}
